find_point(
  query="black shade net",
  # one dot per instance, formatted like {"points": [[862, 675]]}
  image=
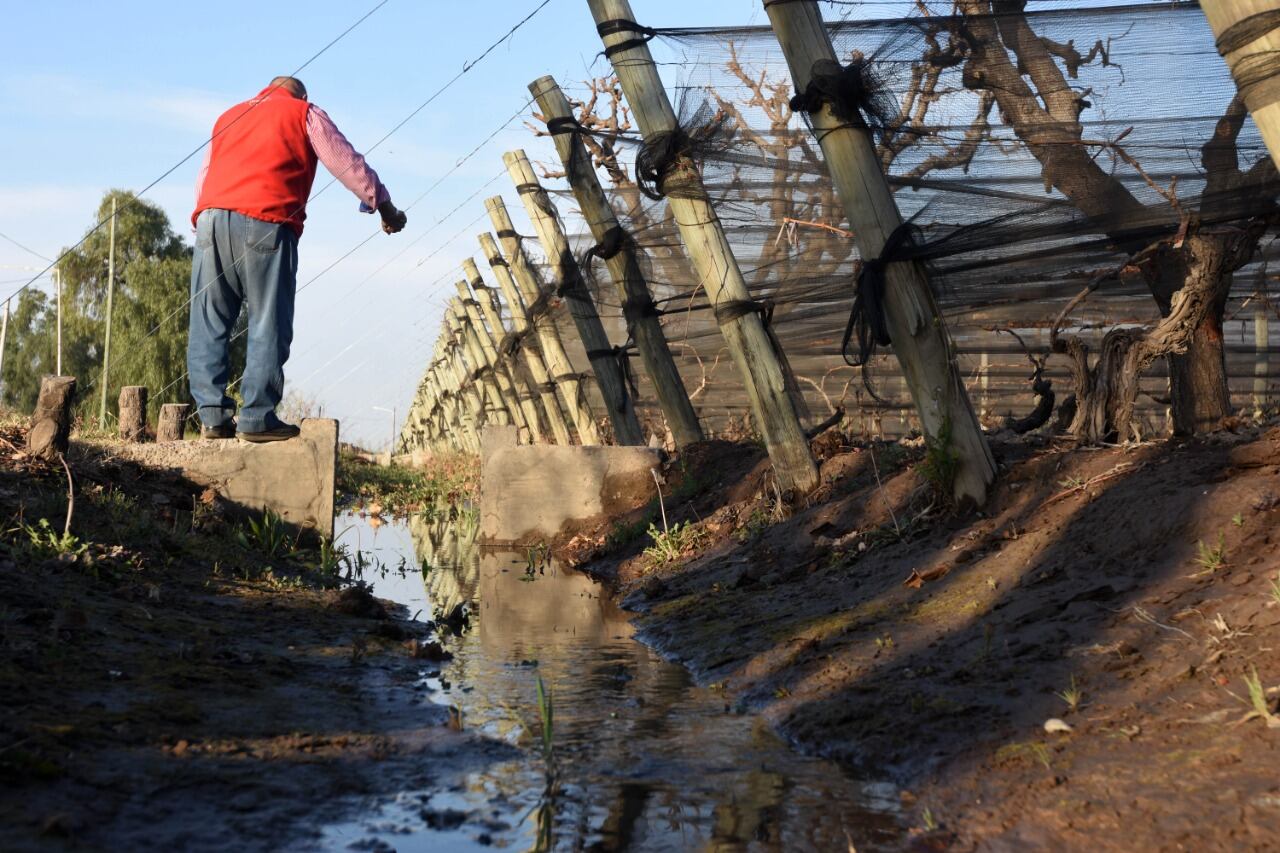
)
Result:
{"points": [[1034, 153]]}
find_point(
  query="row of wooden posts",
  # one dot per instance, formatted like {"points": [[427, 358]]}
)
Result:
{"points": [[473, 377], [51, 422]]}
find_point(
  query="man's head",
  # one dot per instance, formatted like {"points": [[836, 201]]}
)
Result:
{"points": [[292, 85]]}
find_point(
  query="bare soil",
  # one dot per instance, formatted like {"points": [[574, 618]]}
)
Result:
{"points": [[163, 686], [1127, 593]]}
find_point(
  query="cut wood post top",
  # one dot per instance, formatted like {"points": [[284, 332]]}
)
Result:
{"points": [[50, 432], [172, 422]]}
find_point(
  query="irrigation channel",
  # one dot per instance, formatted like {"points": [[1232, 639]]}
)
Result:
{"points": [[644, 758]]}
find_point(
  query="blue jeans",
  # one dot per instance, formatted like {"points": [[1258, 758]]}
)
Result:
{"points": [[241, 262]]}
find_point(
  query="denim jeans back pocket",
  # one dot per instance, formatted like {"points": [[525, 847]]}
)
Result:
{"points": [[204, 229], [264, 237]]}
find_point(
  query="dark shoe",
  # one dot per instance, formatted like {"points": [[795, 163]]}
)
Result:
{"points": [[223, 430], [279, 432]]}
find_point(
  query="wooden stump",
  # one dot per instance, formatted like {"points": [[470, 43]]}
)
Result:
{"points": [[133, 413], [51, 423], [173, 419]]}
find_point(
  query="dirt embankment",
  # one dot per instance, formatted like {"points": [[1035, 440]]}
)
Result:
{"points": [[1132, 595], [170, 679]]}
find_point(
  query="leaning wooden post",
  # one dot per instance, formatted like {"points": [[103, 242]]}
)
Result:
{"points": [[522, 328], [50, 432], [1261, 359], [539, 314], [916, 327], [609, 365], [172, 422], [616, 248], [492, 336], [1248, 40], [133, 413], [739, 316], [471, 410], [476, 371], [488, 352]]}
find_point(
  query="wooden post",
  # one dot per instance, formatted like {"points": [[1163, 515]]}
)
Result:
{"points": [[50, 431], [538, 312], [487, 351], [712, 257], [4, 335], [920, 339], [1249, 59], [486, 300], [522, 328], [1261, 359], [643, 321], [133, 413], [469, 391], [106, 344], [172, 423], [568, 284], [480, 372], [984, 383]]}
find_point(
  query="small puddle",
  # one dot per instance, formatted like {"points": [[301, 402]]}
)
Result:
{"points": [[646, 759]]}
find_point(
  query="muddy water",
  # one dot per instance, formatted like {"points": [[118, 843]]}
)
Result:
{"points": [[645, 759]]}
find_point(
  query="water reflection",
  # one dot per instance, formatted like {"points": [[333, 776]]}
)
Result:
{"points": [[645, 760]]}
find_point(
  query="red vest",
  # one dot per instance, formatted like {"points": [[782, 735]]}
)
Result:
{"points": [[262, 163]]}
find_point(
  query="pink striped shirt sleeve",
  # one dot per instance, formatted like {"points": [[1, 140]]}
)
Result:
{"points": [[343, 161]]}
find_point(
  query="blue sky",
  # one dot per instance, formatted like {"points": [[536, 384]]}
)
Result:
{"points": [[98, 95]]}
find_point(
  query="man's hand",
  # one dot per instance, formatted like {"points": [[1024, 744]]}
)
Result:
{"points": [[393, 219]]}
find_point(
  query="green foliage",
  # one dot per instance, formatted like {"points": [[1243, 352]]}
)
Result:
{"points": [[1072, 695], [1210, 559], [669, 544], [153, 272], [1257, 694], [756, 524], [941, 463], [268, 534], [1034, 750], [446, 486], [45, 542]]}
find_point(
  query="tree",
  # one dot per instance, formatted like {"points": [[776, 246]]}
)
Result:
{"points": [[1188, 269], [148, 347]]}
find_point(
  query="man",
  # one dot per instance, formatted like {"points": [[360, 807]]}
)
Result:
{"points": [[251, 199]]}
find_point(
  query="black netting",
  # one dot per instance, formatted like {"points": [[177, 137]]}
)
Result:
{"points": [[1036, 155]]}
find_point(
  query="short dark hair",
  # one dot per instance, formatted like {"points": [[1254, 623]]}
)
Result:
{"points": [[292, 84]]}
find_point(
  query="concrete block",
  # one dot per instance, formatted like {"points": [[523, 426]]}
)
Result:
{"points": [[536, 493], [293, 478]]}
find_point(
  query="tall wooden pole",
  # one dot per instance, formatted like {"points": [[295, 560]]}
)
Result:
{"points": [[479, 372], [920, 339], [471, 415], [486, 301], [1249, 44], [488, 351], [4, 335], [712, 257], [567, 282], [622, 260], [57, 280], [522, 328], [106, 344], [539, 315]]}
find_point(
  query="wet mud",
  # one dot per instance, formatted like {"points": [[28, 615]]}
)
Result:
{"points": [[1088, 663], [177, 689]]}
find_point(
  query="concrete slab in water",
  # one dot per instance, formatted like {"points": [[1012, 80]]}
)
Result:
{"points": [[293, 478], [534, 493]]}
